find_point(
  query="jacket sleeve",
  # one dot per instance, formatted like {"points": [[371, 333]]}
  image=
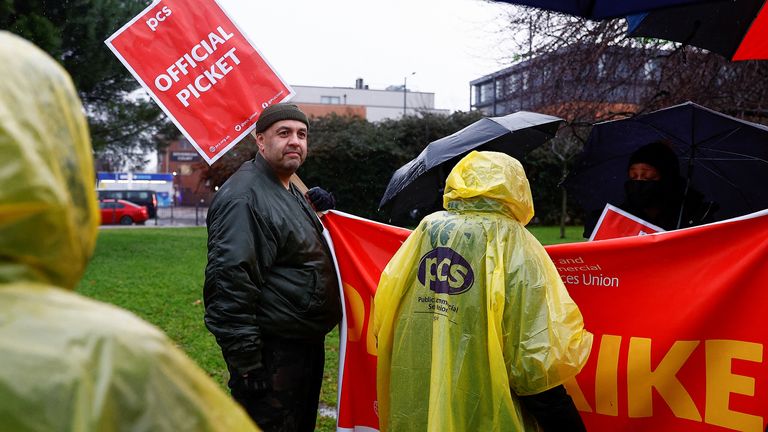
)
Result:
{"points": [[545, 340], [241, 246]]}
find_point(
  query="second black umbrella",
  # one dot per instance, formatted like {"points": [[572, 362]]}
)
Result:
{"points": [[416, 188]]}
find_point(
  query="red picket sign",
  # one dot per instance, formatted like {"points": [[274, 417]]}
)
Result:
{"points": [[615, 223], [201, 69]]}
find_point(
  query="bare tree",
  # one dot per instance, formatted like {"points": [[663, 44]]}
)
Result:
{"points": [[592, 70], [588, 71]]}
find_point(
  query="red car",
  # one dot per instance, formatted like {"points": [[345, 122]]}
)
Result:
{"points": [[122, 212]]}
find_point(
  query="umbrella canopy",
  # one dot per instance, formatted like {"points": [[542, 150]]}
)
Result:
{"points": [[724, 158], [416, 188], [601, 9], [736, 29]]}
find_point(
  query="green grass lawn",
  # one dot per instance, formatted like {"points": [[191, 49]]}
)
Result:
{"points": [[158, 274], [551, 234]]}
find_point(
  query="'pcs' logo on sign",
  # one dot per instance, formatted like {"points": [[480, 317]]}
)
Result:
{"points": [[444, 271]]}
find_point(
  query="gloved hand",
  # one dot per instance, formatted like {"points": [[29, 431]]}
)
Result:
{"points": [[256, 382], [321, 199], [554, 410]]}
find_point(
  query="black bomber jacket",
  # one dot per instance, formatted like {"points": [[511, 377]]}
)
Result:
{"points": [[269, 271]]}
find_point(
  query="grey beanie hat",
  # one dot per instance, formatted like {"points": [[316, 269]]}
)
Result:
{"points": [[278, 112]]}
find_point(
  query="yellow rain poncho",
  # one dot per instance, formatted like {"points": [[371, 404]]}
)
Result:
{"points": [[471, 312], [68, 363]]}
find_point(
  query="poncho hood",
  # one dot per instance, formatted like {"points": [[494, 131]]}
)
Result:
{"points": [[481, 182], [48, 208]]}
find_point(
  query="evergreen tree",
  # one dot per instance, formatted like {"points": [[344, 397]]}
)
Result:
{"points": [[124, 122]]}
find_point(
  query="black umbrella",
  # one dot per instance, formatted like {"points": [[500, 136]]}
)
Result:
{"points": [[416, 188], [736, 29], [723, 157], [601, 9]]}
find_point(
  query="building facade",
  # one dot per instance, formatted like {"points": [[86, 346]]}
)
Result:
{"points": [[182, 161], [361, 101], [563, 82]]}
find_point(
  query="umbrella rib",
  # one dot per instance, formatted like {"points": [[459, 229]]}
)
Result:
{"points": [[714, 139], [728, 182], [719, 175], [742, 158], [664, 133], [723, 136]]}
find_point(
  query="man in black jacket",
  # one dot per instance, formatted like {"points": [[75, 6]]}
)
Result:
{"points": [[271, 291]]}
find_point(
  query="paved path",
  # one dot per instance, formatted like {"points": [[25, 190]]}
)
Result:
{"points": [[176, 217]]}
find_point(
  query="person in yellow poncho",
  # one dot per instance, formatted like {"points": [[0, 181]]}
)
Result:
{"points": [[475, 329], [68, 363]]}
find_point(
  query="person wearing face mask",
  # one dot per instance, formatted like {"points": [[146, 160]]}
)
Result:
{"points": [[655, 191]]}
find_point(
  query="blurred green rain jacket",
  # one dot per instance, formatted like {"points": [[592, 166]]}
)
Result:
{"points": [[68, 363], [471, 312]]}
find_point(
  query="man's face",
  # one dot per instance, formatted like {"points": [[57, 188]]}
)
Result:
{"points": [[284, 146], [643, 171]]}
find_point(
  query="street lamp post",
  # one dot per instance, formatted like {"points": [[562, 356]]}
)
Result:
{"points": [[405, 89], [173, 195]]}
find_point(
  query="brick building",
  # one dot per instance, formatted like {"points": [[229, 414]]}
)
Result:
{"points": [[183, 162]]}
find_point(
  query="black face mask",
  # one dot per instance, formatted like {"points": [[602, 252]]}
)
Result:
{"points": [[644, 193]]}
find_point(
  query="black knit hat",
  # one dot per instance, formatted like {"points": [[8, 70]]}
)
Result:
{"points": [[660, 156], [278, 112]]}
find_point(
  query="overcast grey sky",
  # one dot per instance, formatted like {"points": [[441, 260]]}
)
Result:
{"points": [[332, 42]]}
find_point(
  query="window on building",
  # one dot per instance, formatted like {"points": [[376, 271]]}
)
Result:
{"points": [[330, 100], [514, 82], [524, 80], [535, 80], [624, 69], [509, 85], [651, 70], [485, 92], [499, 88], [546, 73], [602, 66], [583, 73]]}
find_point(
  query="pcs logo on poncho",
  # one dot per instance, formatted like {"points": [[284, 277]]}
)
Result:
{"points": [[445, 271]]}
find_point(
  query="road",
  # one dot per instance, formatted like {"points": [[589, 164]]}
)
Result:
{"points": [[172, 217]]}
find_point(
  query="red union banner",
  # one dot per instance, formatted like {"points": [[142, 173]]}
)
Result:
{"points": [[615, 222], [678, 319], [363, 248], [202, 71]]}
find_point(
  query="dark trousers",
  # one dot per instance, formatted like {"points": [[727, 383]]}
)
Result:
{"points": [[289, 404]]}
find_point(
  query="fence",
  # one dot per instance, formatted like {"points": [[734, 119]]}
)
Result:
{"points": [[180, 216]]}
